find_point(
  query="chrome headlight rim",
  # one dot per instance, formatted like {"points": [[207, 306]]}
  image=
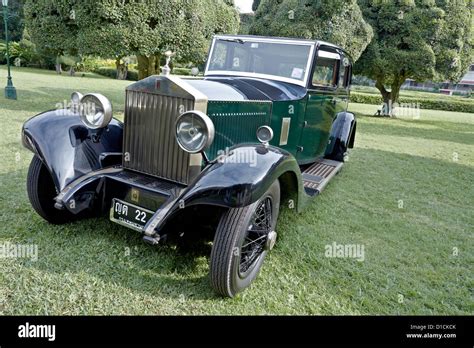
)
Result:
{"points": [[106, 111], [208, 125], [76, 98]]}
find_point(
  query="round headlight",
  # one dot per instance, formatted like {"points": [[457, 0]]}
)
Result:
{"points": [[96, 111], [194, 131], [76, 98], [75, 101], [264, 134]]}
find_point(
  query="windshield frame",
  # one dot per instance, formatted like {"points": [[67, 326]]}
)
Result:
{"points": [[303, 83]]}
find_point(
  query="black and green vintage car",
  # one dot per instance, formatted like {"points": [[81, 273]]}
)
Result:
{"points": [[266, 126]]}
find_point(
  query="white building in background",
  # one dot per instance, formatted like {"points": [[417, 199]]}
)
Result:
{"points": [[465, 86]]}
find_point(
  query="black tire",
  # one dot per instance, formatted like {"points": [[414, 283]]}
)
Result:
{"points": [[41, 193], [227, 265]]}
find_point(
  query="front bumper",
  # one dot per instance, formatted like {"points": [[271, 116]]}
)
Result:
{"points": [[94, 193]]}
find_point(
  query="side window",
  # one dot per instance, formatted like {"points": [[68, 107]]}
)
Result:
{"points": [[345, 76], [342, 76], [348, 80], [326, 70]]}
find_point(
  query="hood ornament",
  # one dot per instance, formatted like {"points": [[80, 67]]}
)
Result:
{"points": [[166, 70]]}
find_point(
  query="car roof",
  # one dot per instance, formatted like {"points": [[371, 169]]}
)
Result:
{"points": [[273, 38]]}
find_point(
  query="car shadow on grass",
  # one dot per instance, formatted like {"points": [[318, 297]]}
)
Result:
{"points": [[102, 249]]}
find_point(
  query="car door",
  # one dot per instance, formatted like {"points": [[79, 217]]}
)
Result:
{"points": [[322, 101]]}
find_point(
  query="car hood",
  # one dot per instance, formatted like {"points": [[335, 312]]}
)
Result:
{"points": [[244, 88]]}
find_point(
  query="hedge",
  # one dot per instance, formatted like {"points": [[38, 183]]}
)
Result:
{"points": [[132, 75], [425, 103], [181, 71]]}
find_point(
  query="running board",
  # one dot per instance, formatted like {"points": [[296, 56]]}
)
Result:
{"points": [[316, 177]]}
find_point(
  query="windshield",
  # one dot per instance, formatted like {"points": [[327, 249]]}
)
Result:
{"points": [[233, 56]]}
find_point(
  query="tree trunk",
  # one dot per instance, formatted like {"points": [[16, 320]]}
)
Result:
{"points": [[121, 68], [387, 99], [390, 97], [148, 65], [59, 70]]}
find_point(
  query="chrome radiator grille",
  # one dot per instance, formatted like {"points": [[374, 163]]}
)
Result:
{"points": [[149, 142]]}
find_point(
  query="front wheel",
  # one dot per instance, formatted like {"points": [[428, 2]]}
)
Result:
{"points": [[41, 192], [242, 240]]}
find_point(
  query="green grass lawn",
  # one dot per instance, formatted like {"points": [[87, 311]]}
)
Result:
{"points": [[412, 93], [406, 194]]}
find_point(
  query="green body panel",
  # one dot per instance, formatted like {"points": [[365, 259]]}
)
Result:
{"points": [[236, 122], [311, 118], [322, 106], [295, 110], [320, 112], [342, 99]]}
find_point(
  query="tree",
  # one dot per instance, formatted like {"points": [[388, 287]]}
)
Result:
{"points": [[417, 39], [255, 5], [15, 21], [52, 27], [336, 21], [116, 28], [454, 47]]}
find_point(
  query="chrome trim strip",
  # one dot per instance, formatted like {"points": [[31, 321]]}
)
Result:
{"points": [[285, 130]]}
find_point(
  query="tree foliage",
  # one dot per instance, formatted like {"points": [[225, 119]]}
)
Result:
{"points": [[116, 28], [454, 46], [255, 5], [417, 39], [15, 21], [336, 21], [50, 26]]}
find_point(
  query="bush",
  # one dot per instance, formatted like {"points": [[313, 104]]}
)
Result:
{"points": [[181, 71], [425, 103], [26, 52], [132, 75]]}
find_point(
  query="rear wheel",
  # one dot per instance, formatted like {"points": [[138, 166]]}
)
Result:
{"points": [[41, 192], [242, 240]]}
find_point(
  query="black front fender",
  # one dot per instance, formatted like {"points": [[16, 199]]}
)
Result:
{"points": [[241, 177], [66, 147], [236, 180]]}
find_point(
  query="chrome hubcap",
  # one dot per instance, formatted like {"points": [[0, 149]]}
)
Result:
{"points": [[271, 240]]}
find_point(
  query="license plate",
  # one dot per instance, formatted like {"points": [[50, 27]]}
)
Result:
{"points": [[129, 215]]}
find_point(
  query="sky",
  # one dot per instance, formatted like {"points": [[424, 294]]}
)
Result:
{"points": [[244, 5]]}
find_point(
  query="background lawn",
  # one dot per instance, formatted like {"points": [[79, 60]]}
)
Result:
{"points": [[406, 194], [412, 93]]}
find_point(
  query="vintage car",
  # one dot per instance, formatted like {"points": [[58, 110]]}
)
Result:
{"points": [[266, 126]]}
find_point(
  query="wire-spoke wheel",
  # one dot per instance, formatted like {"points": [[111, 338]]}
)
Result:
{"points": [[242, 240]]}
